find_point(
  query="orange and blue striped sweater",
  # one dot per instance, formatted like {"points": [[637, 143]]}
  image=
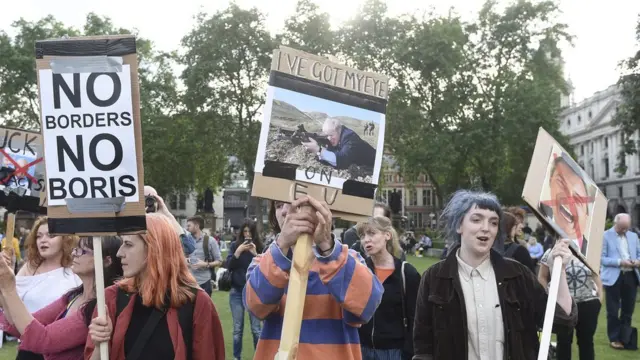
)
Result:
{"points": [[342, 294]]}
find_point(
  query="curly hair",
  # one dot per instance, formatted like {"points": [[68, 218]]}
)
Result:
{"points": [[166, 270], [251, 225], [34, 259]]}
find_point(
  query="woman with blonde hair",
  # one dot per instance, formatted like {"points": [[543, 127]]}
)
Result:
{"points": [[46, 274], [158, 311], [388, 335]]}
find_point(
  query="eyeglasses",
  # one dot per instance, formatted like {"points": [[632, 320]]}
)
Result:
{"points": [[77, 252]]}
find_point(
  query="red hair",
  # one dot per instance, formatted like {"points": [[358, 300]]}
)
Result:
{"points": [[166, 269]]}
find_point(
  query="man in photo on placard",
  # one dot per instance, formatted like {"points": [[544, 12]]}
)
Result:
{"points": [[568, 206], [346, 147], [156, 204]]}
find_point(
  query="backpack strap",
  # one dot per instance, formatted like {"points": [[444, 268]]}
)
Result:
{"points": [[122, 300], [205, 248], [185, 318], [404, 293]]}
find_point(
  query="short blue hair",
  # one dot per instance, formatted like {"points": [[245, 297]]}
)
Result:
{"points": [[459, 205]]}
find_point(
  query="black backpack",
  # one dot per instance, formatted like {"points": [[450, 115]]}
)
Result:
{"points": [[185, 319]]}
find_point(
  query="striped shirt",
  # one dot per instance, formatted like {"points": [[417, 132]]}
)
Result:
{"points": [[342, 294]]}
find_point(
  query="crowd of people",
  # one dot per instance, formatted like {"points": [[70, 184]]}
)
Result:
{"points": [[485, 300]]}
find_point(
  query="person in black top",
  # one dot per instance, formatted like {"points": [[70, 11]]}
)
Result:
{"points": [[512, 249], [241, 253], [388, 335]]}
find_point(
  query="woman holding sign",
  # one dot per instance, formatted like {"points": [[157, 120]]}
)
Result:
{"points": [[46, 274], [476, 304], [158, 311], [60, 329], [342, 293]]}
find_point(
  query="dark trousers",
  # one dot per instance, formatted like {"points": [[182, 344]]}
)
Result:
{"points": [[588, 312], [206, 286], [621, 300]]}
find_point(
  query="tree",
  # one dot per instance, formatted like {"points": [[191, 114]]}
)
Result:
{"points": [[19, 103], [168, 154], [309, 30], [227, 59], [628, 115], [477, 92]]}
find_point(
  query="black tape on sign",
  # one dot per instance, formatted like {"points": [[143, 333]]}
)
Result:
{"points": [[287, 171], [280, 170], [86, 47], [124, 224], [359, 189], [327, 92], [14, 203]]}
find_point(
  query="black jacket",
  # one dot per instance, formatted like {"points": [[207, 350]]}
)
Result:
{"points": [[386, 329], [238, 266], [440, 329]]}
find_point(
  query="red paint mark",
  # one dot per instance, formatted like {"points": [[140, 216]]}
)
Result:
{"points": [[571, 202], [20, 170]]}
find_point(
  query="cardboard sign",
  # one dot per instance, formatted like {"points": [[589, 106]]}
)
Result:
{"points": [[90, 115], [322, 133], [22, 168], [567, 199]]}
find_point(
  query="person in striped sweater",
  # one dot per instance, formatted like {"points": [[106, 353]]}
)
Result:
{"points": [[342, 293]]}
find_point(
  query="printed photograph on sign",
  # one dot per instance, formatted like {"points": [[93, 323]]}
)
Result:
{"points": [[567, 199], [329, 141], [89, 136], [21, 163]]}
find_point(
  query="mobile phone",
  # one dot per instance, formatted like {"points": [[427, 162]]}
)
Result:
{"points": [[248, 241]]}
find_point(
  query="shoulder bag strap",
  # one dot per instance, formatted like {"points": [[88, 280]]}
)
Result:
{"points": [[404, 292], [145, 334], [185, 318], [205, 248]]}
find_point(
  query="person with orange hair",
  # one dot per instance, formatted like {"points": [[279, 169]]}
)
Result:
{"points": [[157, 311]]}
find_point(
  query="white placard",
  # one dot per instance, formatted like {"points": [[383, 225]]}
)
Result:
{"points": [[89, 138]]}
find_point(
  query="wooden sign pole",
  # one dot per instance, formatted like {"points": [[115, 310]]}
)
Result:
{"points": [[296, 294], [99, 278], [552, 299], [10, 229]]}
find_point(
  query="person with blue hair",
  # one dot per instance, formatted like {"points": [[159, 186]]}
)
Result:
{"points": [[476, 294]]}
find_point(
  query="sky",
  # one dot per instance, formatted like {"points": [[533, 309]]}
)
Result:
{"points": [[308, 103], [604, 29]]}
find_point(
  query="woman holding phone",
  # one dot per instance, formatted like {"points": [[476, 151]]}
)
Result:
{"points": [[241, 253]]}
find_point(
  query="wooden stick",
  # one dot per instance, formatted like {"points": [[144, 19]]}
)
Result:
{"points": [[11, 228], [551, 309], [99, 278], [296, 294]]}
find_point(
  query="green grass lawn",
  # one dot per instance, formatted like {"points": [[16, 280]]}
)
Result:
{"points": [[221, 300]]}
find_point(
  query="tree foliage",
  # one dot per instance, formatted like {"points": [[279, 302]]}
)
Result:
{"points": [[628, 115], [466, 99]]}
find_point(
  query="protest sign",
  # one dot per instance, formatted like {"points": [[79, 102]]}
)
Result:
{"points": [[562, 195], [89, 97], [322, 133]]}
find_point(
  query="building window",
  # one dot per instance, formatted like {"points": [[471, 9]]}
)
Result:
{"points": [[579, 118], [606, 168], [414, 198], [581, 149], [591, 147], [182, 202], [637, 190], [606, 142], [568, 123], [590, 114], [620, 192], [173, 202]]}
